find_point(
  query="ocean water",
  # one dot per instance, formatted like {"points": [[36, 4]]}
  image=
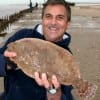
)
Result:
{"points": [[6, 10], [88, 4]]}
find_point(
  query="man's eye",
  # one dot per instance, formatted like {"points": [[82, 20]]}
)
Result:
{"points": [[60, 17], [47, 16]]}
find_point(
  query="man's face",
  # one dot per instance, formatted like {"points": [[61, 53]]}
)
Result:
{"points": [[54, 22]]}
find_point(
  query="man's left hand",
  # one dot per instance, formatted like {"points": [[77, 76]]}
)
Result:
{"points": [[43, 81]]}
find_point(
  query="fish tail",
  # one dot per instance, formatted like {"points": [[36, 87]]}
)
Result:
{"points": [[86, 90]]}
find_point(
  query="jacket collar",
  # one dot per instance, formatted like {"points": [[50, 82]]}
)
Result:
{"points": [[40, 30], [63, 43]]}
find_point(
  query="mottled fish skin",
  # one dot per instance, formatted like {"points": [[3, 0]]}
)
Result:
{"points": [[46, 57], [43, 56]]}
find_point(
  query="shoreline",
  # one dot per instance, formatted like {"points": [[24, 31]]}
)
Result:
{"points": [[90, 11]]}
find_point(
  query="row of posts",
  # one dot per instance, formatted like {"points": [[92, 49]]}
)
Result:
{"points": [[8, 20]]}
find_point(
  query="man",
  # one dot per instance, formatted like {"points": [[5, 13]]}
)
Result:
{"points": [[56, 17], [30, 5]]}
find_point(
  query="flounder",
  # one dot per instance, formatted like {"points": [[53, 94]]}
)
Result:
{"points": [[46, 57]]}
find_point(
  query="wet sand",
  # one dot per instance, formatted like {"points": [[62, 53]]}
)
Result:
{"points": [[85, 44]]}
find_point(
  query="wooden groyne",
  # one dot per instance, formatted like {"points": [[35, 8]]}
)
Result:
{"points": [[8, 20]]}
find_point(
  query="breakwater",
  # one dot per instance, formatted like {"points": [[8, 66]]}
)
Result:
{"points": [[8, 20]]}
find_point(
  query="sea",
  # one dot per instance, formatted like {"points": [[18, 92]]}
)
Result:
{"points": [[8, 9], [87, 4]]}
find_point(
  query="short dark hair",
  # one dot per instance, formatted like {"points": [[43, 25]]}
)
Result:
{"points": [[58, 2]]}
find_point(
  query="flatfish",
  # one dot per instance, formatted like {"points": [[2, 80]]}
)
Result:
{"points": [[46, 57]]}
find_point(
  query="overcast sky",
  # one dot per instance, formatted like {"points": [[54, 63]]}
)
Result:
{"points": [[40, 1]]}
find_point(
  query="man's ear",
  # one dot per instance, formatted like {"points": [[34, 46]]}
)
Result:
{"points": [[68, 24]]}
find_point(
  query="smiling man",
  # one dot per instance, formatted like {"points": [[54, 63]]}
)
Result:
{"points": [[54, 22], [56, 16]]}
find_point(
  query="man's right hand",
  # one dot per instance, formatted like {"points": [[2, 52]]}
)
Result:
{"points": [[9, 55]]}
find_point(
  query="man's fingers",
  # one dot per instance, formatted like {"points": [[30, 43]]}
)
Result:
{"points": [[55, 82], [10, 54], [37, 78], [45, 81]]}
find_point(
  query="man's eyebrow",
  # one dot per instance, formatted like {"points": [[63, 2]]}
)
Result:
{"points": [[47, 14], [61, 15], [57, 15]]}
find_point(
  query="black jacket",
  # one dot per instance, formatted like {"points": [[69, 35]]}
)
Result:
{"points": [[18, 86]]}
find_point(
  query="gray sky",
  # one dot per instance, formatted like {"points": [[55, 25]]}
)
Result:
{"points": [[41, 1]]}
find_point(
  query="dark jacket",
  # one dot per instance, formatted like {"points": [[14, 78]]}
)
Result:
{"points": [[17, 85]]}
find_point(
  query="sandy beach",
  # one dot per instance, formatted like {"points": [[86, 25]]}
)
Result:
{"points": [[85, 43]]}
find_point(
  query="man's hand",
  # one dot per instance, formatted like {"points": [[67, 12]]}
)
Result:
{"points": [[9, 55], [43, 81]]}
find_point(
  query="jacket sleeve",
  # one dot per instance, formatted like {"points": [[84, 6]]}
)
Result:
{"points": [[66, 92], [16, 36], [2, 61], [2, 65]]}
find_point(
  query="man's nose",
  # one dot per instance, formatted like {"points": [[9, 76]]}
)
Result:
{"points": [[53, 21]]}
